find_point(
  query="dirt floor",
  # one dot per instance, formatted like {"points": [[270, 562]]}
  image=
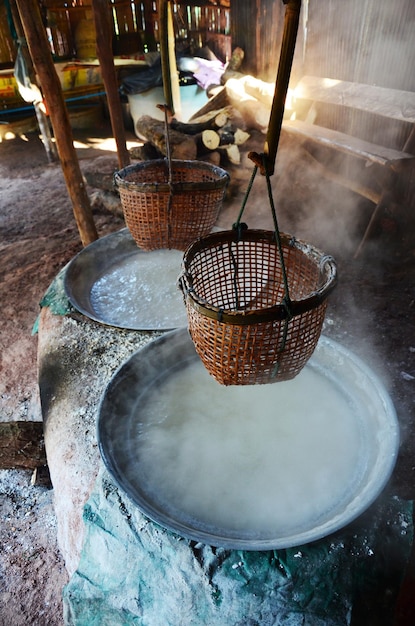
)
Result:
{"points": [[372, 312], [38, 237]]}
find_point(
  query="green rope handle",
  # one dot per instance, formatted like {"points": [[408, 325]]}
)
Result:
{"points": [[287, 300], [237, 225], [240, 227]]}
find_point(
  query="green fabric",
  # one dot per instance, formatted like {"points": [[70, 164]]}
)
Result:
{"points": [[132, 571], [56, 299]]}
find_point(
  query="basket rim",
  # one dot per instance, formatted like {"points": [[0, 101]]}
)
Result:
{"points": [[325, 262], [155, 187]]}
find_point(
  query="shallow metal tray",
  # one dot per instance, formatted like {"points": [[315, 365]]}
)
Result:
{"points": [[124, 418], [114, 282]]}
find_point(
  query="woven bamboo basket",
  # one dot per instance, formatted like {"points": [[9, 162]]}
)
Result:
{"points": [[243, 330], [170, 205]]}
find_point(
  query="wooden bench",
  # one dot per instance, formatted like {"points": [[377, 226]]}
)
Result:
{"points": [[337, 121]]}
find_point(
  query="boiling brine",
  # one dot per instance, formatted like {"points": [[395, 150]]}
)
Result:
{"points": [[255, 458], [141, 291]]}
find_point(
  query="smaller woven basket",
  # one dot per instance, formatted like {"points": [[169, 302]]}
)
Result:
{"points": [[170, 206], [242, 329]]}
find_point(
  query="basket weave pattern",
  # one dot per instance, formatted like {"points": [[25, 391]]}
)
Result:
{"points": [[233, 292], [163, 215]]}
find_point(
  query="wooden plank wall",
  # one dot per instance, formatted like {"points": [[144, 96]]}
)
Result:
{"points": [[364, 41], [257, 28], [368, 41], [358, 40], [135, 25]]}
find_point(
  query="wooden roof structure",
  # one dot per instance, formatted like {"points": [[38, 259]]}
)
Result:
{"points": [[46, 27], [366, 41]]}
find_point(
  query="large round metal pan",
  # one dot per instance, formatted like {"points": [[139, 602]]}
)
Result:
{"points": [[114, 282], [143, 441]]}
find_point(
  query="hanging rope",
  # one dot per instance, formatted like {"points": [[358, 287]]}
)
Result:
{"points": [[240, 227], [237, 225], [287, 300]]}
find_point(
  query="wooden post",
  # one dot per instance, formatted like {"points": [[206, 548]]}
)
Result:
{"points": [[42, 119], [51, 88], [45, 132], [291, 21], [103, 29]]}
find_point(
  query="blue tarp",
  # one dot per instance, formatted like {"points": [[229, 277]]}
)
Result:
{"points": [[133, 572]]}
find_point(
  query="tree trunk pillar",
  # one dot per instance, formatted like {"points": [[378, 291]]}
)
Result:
{"points": [[37, 42]]}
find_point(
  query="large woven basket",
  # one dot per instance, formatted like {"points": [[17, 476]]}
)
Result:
{"points": [[243, 330], [170, 209]]}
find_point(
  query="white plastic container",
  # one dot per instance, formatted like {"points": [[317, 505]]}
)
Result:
{"points": [[192, 98]]}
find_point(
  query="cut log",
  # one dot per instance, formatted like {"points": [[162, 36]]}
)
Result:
{"points": [[232, 153], [210, 139], [211, 121], [255, 113], [240, 136], [234, 66], [226, 135], [259, 89], [218, 101], [146, 152], [237, 57], [220, 116], [21, 445], [108, 201], [182, 146]]}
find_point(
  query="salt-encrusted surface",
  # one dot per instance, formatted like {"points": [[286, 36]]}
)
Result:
{"points": [[133, 572], [76, 360], [127, 570]]}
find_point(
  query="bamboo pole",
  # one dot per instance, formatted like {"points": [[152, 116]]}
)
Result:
{"points": [[168, 59], [103, 29], [37, 42]]}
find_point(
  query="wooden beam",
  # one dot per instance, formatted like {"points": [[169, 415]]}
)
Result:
{"points": [[182, 147], [390, 103], [21, 445], [37, 42], [103, 27], [328, 138], [348, 183]]}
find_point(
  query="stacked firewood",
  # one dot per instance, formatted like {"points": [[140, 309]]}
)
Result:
{"points": [[217, 131]]}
